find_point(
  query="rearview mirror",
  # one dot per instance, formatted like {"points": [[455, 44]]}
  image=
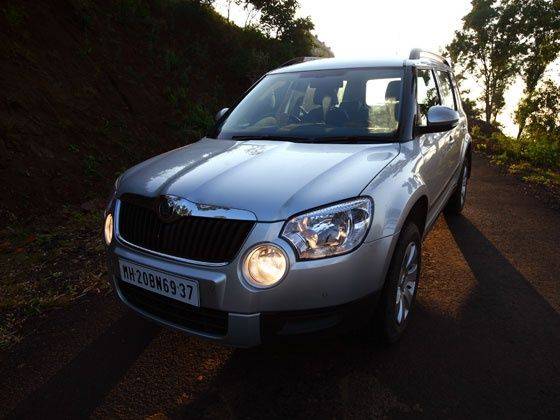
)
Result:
{"points": [[441, 118], [221, 114]]}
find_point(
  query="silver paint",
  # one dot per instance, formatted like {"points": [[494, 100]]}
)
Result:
{"points": [[274, 180]]}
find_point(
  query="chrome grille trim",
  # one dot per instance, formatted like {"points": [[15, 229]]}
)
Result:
{"points": [[122, 240]]}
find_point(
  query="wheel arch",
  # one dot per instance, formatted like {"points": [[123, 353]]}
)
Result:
{"points": [[418, 214], [468, 158]]}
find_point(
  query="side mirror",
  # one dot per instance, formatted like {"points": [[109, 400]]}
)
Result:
{"points": [[221, 114], [441, 118]]}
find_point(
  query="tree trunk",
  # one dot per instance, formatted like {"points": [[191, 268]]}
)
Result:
{"points": [[521, 128]]}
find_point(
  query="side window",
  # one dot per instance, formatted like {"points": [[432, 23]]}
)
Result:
{"points": [[446, 89], [426, 93], [456, 93]]}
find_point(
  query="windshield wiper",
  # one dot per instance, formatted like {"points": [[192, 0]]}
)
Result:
{"points": [[350, 139], [301, 139], [274, 137]]}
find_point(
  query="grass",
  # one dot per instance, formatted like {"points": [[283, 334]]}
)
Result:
{"points": [[48, 265], [128, 11], [534, 160], [172, 60], [91, 166], [14, 15]]}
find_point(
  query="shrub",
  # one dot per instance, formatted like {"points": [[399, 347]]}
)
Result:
{"points": [[542, 151]]}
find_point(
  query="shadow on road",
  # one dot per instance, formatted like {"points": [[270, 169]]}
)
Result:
{"points": [[498, 355], [78, 388]]}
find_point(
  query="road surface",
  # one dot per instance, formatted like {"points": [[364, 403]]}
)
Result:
{"points": [[484, 341]]}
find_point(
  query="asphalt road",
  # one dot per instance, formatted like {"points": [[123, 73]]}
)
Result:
{"points": [[484, 341]]}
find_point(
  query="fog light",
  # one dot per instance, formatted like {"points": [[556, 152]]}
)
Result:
{"points": [[265, 265], [109, 229]]}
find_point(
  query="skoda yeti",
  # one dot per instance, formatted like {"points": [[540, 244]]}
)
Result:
{"points": [[304, 208]]}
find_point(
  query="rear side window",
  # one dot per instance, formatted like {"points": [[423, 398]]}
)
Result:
{"points": [[427, 94], [446, 89]]}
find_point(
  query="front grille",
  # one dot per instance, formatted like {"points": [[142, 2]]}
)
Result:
{"points": [[197, 319], [205, 239]]}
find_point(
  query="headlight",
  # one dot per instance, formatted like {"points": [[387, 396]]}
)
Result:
{"points": [[330, 231], [108, 229], [265, 265]]}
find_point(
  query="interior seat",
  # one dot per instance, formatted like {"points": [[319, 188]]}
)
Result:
{"points": [[323, 99], [393, 94]]}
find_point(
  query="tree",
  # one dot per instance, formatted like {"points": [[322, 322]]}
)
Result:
{"points": [[541, 111], [487, 47], [540, 38], [277, 19], [320, 49], [470, 106]]}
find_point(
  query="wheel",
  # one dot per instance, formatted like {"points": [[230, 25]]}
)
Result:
{"points": [[401, 285], [457, 200]]}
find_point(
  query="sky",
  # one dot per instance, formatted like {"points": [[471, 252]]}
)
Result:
{"points": [[371, 28]]}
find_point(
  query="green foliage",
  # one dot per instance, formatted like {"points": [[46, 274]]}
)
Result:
{"points": [[176, 96], [277, 19], [501, 39], [539, 32], [14, 15], [470, 107], [131, 10], [252, 51], [539, 152], [540, 40], [172, 60], [539, 146], [91, 164], [540, 114], [540, 111], [197, 118], [487, 48]]}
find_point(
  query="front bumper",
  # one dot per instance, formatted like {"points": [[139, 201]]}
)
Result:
{"points": [[314, 296]]}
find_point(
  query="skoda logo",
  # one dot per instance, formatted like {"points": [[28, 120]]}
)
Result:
{"points": [[166, 210]]}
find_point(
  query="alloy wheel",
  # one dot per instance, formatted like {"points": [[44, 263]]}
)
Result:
{"points": [[407, 283], [464, 185]]}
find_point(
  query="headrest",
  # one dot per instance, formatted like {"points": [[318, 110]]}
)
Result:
{"points": [[393, 91], [321, 93]]}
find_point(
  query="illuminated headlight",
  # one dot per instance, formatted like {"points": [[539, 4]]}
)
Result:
{"points": [[330, 231], [108, 229], [265, 265]]}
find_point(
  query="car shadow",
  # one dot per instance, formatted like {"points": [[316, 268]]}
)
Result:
{"points": [[498, 355], [80, 386]]}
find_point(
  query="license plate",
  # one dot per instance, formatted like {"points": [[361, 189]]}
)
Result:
{"points": [[161, 283]]}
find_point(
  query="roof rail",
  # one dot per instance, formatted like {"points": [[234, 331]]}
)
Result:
{"points": [[418, 53], [297, 60]]}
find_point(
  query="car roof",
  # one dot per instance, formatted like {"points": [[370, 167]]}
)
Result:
{"points": [[346, 63]]}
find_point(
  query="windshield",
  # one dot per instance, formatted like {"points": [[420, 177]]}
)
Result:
{"points": [[326, 105]]}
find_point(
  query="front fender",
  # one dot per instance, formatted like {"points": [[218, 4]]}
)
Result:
{"points": [[395, 191]]}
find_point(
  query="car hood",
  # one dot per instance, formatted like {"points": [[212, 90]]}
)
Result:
{"points": [[272, 179]]}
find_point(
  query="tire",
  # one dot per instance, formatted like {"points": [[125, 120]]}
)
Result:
{"points": [[398, 296], [456, 202]]}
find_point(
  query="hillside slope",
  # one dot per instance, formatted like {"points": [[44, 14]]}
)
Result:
{"points": [[92, 87]]}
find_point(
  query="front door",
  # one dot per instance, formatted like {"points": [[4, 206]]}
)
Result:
{"points": [[432, 145], [452, 141]]}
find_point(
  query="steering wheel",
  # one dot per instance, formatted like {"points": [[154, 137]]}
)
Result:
{"points": [[294, 119]]}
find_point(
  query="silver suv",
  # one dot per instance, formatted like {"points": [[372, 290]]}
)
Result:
{"points": [[304, 208]]}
